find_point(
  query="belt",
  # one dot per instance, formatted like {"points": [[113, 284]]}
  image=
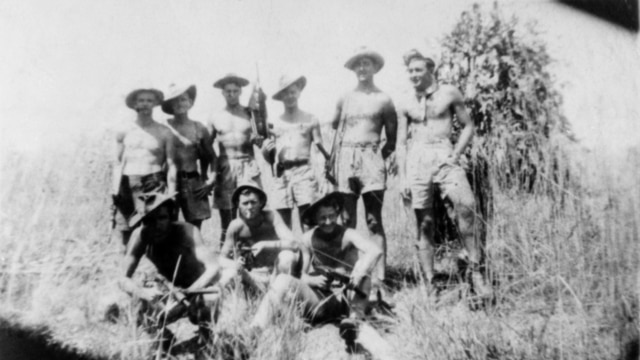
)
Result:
{"points": [[372, 145], [293, 163], [188, 174]]}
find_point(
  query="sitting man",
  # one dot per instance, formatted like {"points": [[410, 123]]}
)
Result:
{"points": [[259, 238], [331, 253], [175, 248]]}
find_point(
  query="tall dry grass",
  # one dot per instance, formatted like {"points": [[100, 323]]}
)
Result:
{"points": [[564, 262]]}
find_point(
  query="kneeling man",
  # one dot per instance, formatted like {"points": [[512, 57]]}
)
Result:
{"points": [[331, 254], [176, 250], [259, 237]]}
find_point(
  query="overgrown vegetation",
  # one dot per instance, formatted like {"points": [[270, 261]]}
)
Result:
{"points": [[564, 258]]}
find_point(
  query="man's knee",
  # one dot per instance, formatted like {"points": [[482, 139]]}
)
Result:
{"points": [[288, 262]]}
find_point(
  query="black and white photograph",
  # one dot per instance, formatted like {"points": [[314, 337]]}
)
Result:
{"points": [[296, 179]]}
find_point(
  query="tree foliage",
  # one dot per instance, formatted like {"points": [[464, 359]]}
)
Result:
{"points": [[502, 68]]}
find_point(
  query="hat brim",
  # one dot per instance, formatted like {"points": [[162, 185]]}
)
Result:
{"points": [[231, 79], [131, 98], [136, 218], [377, 59], [302, 81], [167, 105], [308, 216], [235, 197]]}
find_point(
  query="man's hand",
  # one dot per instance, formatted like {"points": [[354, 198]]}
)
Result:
{"points": [[205, 190], [453, 160], [387, 150], [151, 294], [405, 189], [257, 140], [355, 279], [257, 248], [318, 281]]}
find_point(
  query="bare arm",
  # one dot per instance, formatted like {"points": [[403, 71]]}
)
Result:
{"points": [[338, 114], [316, 138], [370, 253], [230, 239], [458, 108], [208, 258], [118, 163], [134, 253], [172, 171], [390, 119], [403, 131]]}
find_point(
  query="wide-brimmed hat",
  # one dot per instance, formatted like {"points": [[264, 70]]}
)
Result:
{"points": [[230, 78], [131, 98], [368, 53], [334, 198], [151, 202], [235, 197], [286, 81], [174, 92]]}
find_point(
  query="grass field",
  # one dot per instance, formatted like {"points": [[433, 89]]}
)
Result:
{"points": [[564, 262]]}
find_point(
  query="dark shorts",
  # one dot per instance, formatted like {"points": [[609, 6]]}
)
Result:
{"points": [[192, 207], [129, 195]]}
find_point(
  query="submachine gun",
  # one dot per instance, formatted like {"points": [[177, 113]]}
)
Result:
{"points": [[338, 279]]}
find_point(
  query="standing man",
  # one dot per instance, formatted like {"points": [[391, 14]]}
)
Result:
{"points": [[360, 116], [262, 233], [236, 162], [426, 118], [295, 131], [145, 160], [193, 144]]}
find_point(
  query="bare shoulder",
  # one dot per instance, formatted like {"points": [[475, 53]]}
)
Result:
{"points": [[235, 226], [451, 92]]}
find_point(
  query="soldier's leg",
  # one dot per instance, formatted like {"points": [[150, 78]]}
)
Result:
{"points": [[279, 293], [301, 210], [286, 216], [456, 188], [425, 245], [373, 211], [350, 213], [226, 215]]}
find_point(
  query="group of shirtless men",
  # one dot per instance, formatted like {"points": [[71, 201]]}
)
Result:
{"points": [[163, 168]]}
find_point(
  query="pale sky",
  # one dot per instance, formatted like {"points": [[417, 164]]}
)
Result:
{"points": [[67, 65]]}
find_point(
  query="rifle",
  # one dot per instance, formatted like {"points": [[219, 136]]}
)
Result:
{"points": [[336, 144], [258, 110], [183, 300], [338, 279]]}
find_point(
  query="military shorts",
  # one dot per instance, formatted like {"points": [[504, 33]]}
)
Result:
{"points": [[193, 208], [130, 195], [296, 186], [360, 169], [427, 168], [231, 173]]}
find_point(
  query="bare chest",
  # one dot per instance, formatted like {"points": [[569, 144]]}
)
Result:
{"points": [[139, 139]]}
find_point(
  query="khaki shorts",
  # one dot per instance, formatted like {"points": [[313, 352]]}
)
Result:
{"points": [[427, 168], [296, 186], [192, 207], [231, 173], [129, 195], [360, 169]]}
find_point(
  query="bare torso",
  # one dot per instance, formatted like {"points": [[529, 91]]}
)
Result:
{"points": [[435, 120], [364, 113], [144, 148], [332, 250], [294, 136], [190, 136], [178, 251], [232, 128], [246, 236]]}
